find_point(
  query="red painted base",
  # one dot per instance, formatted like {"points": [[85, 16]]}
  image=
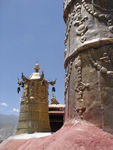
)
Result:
{"points": [[72, 136]]}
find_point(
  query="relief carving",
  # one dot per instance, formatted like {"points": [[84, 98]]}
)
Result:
{"points": [[99, 66], [75, 18], [67, 76], [105, 58], [106, 18], [68, 28], [81, 28], [80, 104]]}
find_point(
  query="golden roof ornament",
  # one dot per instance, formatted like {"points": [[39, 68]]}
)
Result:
{"points": [[37, 67], [53, 100], [36, 75], [34, 115]]}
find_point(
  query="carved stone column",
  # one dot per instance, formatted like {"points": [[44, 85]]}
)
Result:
{"points": [[89, 61]]}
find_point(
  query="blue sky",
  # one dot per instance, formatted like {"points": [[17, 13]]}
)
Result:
{"points": [[31, 31]]}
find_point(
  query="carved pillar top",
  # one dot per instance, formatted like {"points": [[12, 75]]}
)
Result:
{"points": [[88, 23], [107, 4]]}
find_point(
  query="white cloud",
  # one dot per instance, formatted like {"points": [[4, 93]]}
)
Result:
{"points": [[4, 104], [15, 110]]}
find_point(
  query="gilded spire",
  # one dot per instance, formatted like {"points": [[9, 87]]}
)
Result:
{"points": [[37, 67]]}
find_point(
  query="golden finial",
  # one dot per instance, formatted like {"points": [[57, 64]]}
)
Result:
{"points": [[37, 67], [53, 100]]}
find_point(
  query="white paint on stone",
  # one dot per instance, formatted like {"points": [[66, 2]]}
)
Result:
{"points": [[29, 136]]}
